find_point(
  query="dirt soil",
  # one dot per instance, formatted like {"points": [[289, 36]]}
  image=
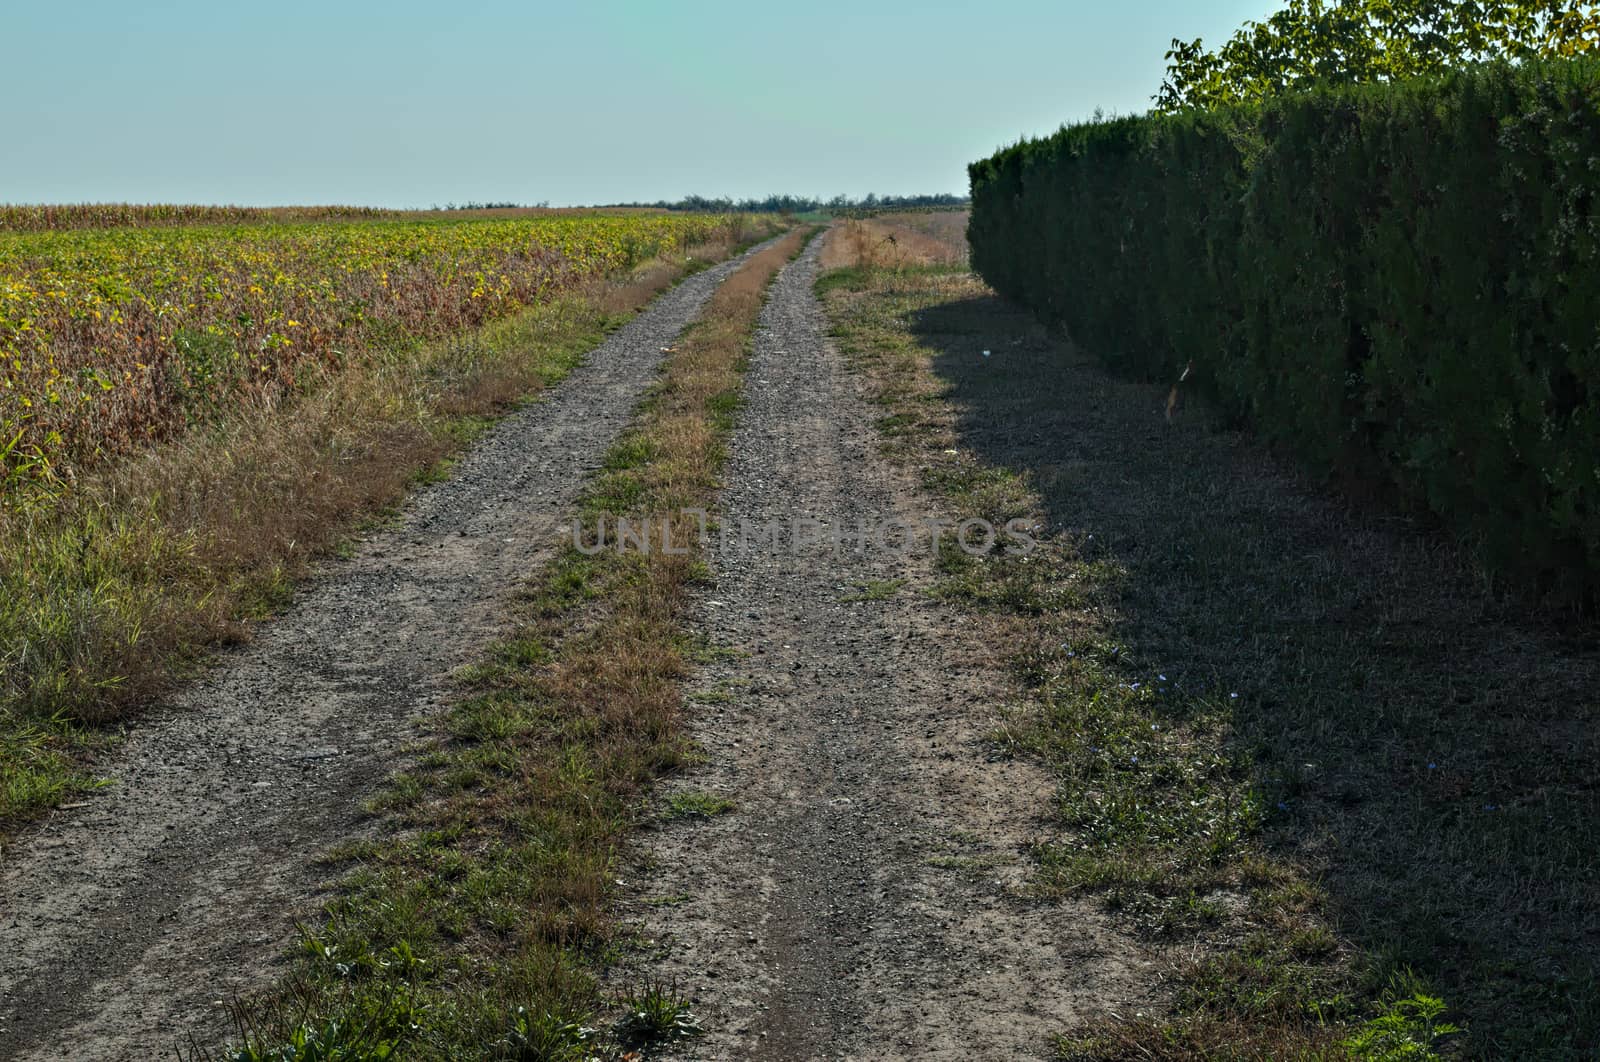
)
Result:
{"points": [[126, 921], [868, 896]]}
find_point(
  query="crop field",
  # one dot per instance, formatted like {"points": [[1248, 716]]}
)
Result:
{"points": [[114, 338]]}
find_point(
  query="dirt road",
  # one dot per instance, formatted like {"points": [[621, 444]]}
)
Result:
{"points": [[867, 898], [123, 923]]}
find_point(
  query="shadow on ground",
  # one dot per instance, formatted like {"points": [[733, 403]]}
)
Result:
{"points": [[1433, 749]]}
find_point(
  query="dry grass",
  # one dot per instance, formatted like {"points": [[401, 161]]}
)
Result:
{"points": [[1298, 743], [119, 588], [507, 837], [898, 241]]}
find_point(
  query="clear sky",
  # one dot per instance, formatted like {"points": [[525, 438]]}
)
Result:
{"points": [[404, 103]]}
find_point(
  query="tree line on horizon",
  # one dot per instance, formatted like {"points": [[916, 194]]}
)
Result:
{"points": [[794, 204], [772, 204]]}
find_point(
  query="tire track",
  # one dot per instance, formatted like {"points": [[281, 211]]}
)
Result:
{"points": [[123, 925], [868, 897]]}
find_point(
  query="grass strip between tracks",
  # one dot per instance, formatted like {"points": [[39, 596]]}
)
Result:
{"points": [[474, 928], [1299, 754], [119, 588]]}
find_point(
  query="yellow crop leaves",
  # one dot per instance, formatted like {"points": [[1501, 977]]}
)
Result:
{"points": [[113, 338]]}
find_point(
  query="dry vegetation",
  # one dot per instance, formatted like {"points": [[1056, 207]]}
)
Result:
{"points": [[1299, 746], [119, 585], [895, 241], [492, 893]]}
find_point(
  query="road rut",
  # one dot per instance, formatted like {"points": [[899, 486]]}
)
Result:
{"points": [[125, 922], [868, 897]]}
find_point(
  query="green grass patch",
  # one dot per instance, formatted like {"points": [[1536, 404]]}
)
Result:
{"points": [[695, 806], [874, 590]]}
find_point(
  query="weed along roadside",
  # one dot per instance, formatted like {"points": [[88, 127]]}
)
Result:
{"points": [[1300, 752], [476, 926]]}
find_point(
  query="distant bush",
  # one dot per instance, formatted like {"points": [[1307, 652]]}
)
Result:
{"points": [[1400, 282], [493, 205]]}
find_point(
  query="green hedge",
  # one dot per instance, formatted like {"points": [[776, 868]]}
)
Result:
{"points": [[1398, 282]]}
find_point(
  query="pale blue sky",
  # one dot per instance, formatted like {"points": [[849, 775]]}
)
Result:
{"points": [[404, 103]]}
